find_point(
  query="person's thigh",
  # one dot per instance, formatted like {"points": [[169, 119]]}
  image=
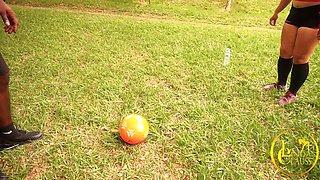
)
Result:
{"points": [[305, 44], [3, 66], [288, 38]]}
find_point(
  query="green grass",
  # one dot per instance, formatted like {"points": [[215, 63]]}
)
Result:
{"points": [[74, 73], [244, 12]]}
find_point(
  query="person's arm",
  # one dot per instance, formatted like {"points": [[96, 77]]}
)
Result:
{"points": [[9, 18], [283, 4], [318, 35]]}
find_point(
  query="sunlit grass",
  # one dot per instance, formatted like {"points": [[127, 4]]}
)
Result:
{"points": [[73, 73]]}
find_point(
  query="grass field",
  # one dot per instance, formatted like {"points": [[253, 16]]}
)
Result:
{"points": [[79, 67]]}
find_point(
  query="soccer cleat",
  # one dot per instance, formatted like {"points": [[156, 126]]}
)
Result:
{"points": [[3, 177], [7, 145], [19, 137], [287, 98], [275, 86]]}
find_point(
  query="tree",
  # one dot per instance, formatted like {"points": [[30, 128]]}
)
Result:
{"points": [[144, 1], [228, 6]]}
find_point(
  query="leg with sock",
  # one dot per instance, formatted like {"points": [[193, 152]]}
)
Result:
{"points": [[2, 176], [284, 68], [288, 36], [299, 75], [305, 44], [10, 136]]}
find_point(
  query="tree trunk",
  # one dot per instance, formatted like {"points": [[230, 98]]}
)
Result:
{"points": [[228, 5], [145, 1]]}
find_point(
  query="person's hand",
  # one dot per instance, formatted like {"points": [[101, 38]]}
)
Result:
{"points": [[273, 20], [9, 18]]}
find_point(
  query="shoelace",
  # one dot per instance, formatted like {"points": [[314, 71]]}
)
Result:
{"points": [[289, 96], [22, 131], [279, 86]]}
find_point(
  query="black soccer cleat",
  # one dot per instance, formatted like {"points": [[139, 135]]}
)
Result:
{"points": [[3, 177], [19, 137], [4, 145]]}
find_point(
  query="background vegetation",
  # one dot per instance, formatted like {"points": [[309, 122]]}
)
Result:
{"points": [[78, 67]]}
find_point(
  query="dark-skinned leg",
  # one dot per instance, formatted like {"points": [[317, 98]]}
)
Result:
{"points": [[2, 176], [5, 113], [9, 136]]}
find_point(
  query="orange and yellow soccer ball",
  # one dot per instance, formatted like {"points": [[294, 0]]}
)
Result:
{"points": [[134, 129]]}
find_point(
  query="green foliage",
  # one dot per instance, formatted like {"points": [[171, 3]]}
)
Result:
{"points": [[74, 73], [244, 12]]}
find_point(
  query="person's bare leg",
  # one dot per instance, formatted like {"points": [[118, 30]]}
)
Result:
{"points": [[304, 47], [288, 38], [5, 113], [9, 136]]}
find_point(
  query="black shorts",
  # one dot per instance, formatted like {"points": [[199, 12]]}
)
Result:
{"points": [[3, 66], [305, 17]]}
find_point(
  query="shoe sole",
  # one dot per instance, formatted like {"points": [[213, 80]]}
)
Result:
{"points": [[8, 147], [12, 144], [289, 102], [4, 178], [270, 88], [279, 89]]}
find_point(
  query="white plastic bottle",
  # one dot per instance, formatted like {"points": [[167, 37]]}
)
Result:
{"points": [[227, 57]]}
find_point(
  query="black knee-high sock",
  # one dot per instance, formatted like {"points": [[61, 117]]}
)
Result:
{"points": [[299, 74], [9, 131], [284, 68]]}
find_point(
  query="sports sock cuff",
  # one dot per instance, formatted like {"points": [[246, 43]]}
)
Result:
{"points": [[10, 128], [281, 58], [299, 74], [7, 128], [284, 68]]}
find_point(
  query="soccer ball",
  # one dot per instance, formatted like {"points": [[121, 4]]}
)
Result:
{"points": [[134, 129]]}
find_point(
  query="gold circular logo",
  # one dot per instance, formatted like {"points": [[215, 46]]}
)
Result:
{"points": [[294, 153]]}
